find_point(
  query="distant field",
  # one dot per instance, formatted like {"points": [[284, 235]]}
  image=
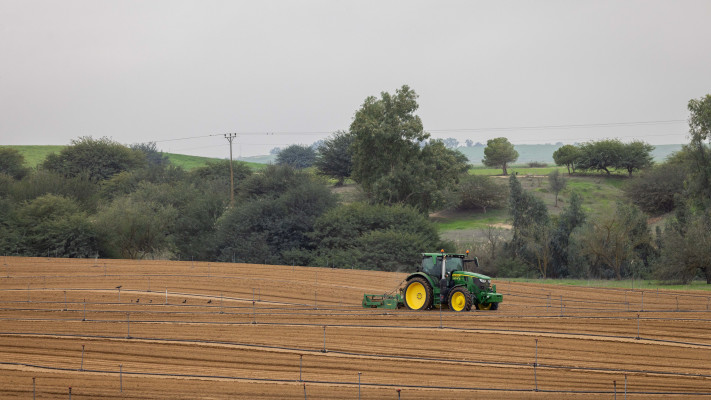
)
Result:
{"points": [[544, 152], [34, 155], [609, 283], [600, 193]]}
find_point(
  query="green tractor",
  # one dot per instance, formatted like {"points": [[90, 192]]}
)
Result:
{"points": [[441, 279]]}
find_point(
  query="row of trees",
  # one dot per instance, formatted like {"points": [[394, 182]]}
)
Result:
{"points": [[605, 155], [619, 243]]}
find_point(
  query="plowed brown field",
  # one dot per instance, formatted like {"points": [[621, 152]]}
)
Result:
{"points": [[184, 330]]}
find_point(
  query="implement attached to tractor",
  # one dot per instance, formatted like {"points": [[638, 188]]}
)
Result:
{"points": [[441, 280]]}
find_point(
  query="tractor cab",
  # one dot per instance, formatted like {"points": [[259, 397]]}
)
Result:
{"points": [[432, 264]]}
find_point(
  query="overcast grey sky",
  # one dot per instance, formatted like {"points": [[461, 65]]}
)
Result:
{"points": [[141, 71]]}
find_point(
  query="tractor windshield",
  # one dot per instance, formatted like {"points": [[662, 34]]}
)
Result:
{"points": [[430, 267]]}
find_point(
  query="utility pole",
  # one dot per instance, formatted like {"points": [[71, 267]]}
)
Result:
{"points": [[230, 137]]}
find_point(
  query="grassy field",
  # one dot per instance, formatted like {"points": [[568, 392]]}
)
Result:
{"points": [[623, 284], [600, 193], [34, 155]]}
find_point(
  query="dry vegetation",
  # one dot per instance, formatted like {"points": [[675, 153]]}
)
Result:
{"points": [[210, 340]]}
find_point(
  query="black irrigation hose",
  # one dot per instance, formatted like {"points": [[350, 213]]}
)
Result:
{"points": [[427, 359], [515, 331], [352, 384], [377, 384], [317, 312]]}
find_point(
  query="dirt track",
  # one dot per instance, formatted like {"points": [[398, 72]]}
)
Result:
{"points": [[192, 330]]}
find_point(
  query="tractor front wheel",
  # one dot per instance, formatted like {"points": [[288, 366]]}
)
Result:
{"points": [[418, 294], [460, 299], [487, 306]]}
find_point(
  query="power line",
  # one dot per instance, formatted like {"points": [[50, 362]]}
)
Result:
{"points": [[567, 126], [475, 129]]}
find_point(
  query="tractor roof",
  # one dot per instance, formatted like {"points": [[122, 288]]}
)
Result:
{"points": [[446, 254]]}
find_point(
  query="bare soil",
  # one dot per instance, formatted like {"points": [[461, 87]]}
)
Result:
{"points": [[184, 330]]}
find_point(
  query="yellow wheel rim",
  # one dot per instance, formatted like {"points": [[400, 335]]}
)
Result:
{"points": [[459, 301], [485, 306], [416, 295]]}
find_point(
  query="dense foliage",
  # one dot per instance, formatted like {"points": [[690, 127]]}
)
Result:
{"points": [[392, 159], [296, 156]]}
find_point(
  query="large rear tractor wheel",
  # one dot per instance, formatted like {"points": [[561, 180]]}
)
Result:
{"points": [[460, 299], [418, 294]]}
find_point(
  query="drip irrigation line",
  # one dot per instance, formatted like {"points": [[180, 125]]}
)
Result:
{"points": [[350, 383], [308, 311], [378, 356]]}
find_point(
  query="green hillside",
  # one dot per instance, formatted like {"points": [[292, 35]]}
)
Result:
{"points": [[34, 155]]}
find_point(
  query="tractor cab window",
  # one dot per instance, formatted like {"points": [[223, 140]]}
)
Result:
{"points": [[435, 268]]}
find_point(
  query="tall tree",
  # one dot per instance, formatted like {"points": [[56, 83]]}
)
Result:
{"points": [[557, 183], [567, 155], [570, 218], [334, 157], [499, 153], [528, 214], [391, 160], [700, 132], [387, 134]]}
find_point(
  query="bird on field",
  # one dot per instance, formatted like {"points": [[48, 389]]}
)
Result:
{"points": [[209, 301], [150, 301], [185, 301], [138, 300]]}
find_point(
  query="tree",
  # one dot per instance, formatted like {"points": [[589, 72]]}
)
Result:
{"points": [[481, 192], [499, 153], [387, 135], [570, 218], [97, 159], [132, 228], [567, 155], [12, 163], [655, 189], [451, 143], [334, 157], [635, 156], [616, 238], [700, 132], [557, 183], [154, 157], [372, 236], [468, 143], [391, 160], [297, 156], [55, 225], [600, 156], [528, 214], [685, 249], [276, 211]]}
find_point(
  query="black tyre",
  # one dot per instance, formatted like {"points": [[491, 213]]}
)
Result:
{"points": [[460, 299], [418, 294]]}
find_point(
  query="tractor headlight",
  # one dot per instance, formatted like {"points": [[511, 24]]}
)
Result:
{"points": [[484, 281]]}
